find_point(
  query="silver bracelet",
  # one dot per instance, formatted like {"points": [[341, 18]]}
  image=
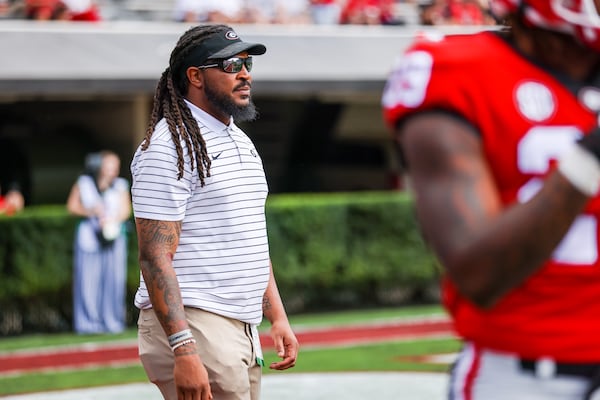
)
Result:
{"points": [[183, 343], [179, 336]]}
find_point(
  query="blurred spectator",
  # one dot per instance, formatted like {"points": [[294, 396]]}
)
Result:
{"points": [[5, 9], [81, 10], [291, 12], [11, 203], [257, 11], [14, 176], [277, 12], [43, 10], [66, 10], [221, 11], [465, 12], [189, 10], [243, 11], [102, 198], [407, 12], [455, 12], [325, 12], [435, 13], [368, 12]]}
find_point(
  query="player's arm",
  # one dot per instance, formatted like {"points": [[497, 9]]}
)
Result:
{"points": [[487, 250], [158, 241], [283, 337]]}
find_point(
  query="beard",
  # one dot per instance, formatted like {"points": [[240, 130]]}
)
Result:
{"points": [[247, 112]]}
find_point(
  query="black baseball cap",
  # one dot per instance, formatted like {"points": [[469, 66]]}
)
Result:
{"points": [[223, 44]]}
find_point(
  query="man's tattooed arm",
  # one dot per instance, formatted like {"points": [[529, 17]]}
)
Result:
{"points": [[157, 242]]}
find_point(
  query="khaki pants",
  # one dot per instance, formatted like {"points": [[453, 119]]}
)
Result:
{"points": [[225, 347]]}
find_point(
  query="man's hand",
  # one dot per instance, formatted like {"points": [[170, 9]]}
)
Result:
{"points": [[286, 345], [191, 377]]}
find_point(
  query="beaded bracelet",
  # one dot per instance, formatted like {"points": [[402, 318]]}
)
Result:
{"points": [[183, 343], [179, 336]]}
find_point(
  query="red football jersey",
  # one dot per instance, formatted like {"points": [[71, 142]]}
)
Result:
{"points": [[526, 117]]}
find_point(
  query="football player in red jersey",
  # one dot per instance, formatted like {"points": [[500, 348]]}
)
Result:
{"points": [[499, 134]]}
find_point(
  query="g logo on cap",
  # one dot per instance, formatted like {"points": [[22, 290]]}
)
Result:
{"points": [[231, 35]]}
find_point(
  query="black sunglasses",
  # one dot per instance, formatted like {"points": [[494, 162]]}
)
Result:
{"points": [[231, 65]]}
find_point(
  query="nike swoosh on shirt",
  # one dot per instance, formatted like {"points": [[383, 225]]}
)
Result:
{"points": [[215, 156]]}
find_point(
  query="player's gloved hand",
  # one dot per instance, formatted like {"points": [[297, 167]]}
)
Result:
{"points": [[581, 164]]}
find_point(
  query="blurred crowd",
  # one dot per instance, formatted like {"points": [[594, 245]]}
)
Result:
{"points": [[66, 10], [321, 12]]}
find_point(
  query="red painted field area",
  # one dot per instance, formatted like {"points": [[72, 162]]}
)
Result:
{"points": [[126, 353]]}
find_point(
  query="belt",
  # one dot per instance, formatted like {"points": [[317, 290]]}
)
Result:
{"points": [[547, 368]]}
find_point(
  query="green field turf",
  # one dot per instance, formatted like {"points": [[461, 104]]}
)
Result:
{"points": [[389, 356]]}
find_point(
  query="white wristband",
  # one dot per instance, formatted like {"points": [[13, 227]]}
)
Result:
{"points": [[582, 169], [180, 336]]}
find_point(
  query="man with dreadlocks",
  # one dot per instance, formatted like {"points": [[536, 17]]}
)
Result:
{"points": [[199, 193]]}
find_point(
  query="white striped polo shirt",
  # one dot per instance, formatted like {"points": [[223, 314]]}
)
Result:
{"points": [[222, 261]]}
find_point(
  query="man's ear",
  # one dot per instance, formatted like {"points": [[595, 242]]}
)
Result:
{"points": [[195, 77]]}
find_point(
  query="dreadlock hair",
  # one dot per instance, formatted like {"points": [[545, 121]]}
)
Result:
{"points": [[169, 103]]}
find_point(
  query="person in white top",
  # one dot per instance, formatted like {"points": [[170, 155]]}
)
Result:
{"points": [[102, 199], [199, 192]]}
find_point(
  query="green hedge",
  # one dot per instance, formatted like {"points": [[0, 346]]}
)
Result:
{"points": [[329, 251], [348, 250]]}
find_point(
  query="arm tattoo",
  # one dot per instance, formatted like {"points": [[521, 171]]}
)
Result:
{"points": [[158, 242], [158, 232], [266, 304]]}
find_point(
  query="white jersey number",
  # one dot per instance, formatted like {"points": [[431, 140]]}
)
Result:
{"points": [[536, 149]]}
